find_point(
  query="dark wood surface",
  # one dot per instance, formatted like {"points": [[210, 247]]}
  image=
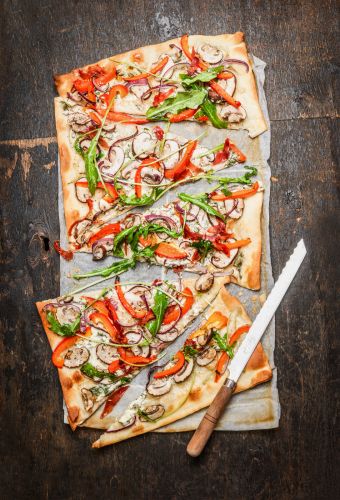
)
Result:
{"points": [[40, 457]]}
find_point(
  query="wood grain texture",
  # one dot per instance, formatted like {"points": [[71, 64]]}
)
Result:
{"points": [[40, 457]]}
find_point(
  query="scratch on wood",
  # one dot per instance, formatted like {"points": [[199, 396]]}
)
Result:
{"points": [[26, 162], [30, 143], [10, 165]]}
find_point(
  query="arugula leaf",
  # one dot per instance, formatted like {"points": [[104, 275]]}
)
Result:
{"points": [[189, 351], [183, 100], [143, 201], [210, 110], [203, 247], [204, 76], [202, 202], [91, 371], [115, 268], [223, 344], [159, 308], [244, 179], [67, 330], [131, 235], [91, 169]]}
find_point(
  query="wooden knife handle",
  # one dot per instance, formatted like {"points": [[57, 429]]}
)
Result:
{"points": [[210, 419]]}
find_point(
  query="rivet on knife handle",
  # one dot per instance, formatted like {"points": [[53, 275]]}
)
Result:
{"points": [[210, 419]]}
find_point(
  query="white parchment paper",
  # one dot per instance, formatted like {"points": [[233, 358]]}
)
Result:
{"points": [[258, 408]]}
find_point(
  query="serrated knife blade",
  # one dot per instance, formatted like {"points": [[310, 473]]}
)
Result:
{"points": [[246, 349]]}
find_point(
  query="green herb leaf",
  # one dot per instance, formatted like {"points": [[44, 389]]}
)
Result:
{"points": [[115, 268], [183, 100], [91, 169], [202, 202], [66, 330], [223, 344], [189, 352], [210, 110], [203, 247], [204, 76], [91, 371], [160, 304], [244, 179]]}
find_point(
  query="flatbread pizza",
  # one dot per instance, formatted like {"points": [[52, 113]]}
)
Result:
{"points": [[101, 340], [208, 233], [110, 168], [192, 378], [203, 78]]}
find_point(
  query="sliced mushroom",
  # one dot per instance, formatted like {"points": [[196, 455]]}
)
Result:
{"points": [[67, 314], [78, 118], [205, 160], [143, 144], [204, 282], [168, 336], [79, 228], [185, 372], [143, 351], [107, 353], [152, 176], [101, 247], [116, 157], [152, 412], [88, 399], [76, 356], [82, 192], [207, 356], [170, 147], [159, 386], [210, 54], [232, 114], [221, 260], [132, 220]]}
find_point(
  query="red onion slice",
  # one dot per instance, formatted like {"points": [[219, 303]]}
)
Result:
{"points": [[237, 61], [127, 138]]}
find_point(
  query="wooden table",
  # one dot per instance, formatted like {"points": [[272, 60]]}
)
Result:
{"points": [[41, 458]]}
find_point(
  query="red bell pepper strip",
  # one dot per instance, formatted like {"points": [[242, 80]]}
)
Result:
{"points": [[189, 300], [127, 306], [202, 118], [160, 65], [169, 251], [109, 187], [171, 173], [227, 97], [237, 334], [98, 305], [106, 230], [221, 366], [183, 115], [134, 359], [95, 118], [173, 313], [113, 400], [185, 46], [175, 368], [91, 71], [105, 78], [242, 193], [83, 86], [115, 90], [65, 254], [112, 309], [241, 158], [99, 318], [114, 365], [57, 360], [225, 75], [122, 117], [216, 320], [161, 96], [159, 132], [238, 243]]}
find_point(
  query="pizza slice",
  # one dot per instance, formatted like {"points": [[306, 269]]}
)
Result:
{"points": [[208, 233], [194, 375], [101, 340], [108, 169], [202, 78]]}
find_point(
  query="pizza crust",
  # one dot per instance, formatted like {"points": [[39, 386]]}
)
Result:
{"points": [[204, 387], [233, 44], [72, 380]]}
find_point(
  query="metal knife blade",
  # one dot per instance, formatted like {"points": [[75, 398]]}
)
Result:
{"points": [[262, 320]]}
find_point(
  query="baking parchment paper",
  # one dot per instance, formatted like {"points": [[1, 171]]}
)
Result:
{"points": [[257, 408]]}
